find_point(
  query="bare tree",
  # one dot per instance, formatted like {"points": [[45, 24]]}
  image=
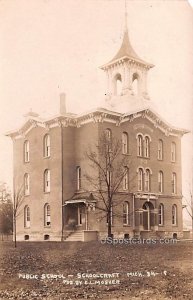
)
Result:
{"points": [[18, 199], [6, 210], [189, 205], [109, 170]]}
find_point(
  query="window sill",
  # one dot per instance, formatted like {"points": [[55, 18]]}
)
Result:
{"points": [[46, 157], [126, 225], [126, 154], [26, 162], [160, 159], [144, 157], [27, 227], [47, 192], [47, 226], [27, 195]]}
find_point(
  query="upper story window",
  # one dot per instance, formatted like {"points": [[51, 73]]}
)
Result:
{"points": [[140, 179], [125, 143], [47, 181], [146, 146], [47, 145], [173, 152], [47, 218], [160, 181], [126, 179], [26, 216], [174, 180], [139, 145], [161, 215], [26, 184], [78, 177], [26, 151], [108, 134], [174, 214], [160, 150], [147, 180], [126, 213]]}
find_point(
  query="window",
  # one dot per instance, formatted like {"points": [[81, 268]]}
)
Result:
{"points": [[124, 143], [47, 181], [108, 135], [160, 181], [118, 85], [126, 213], [47, 220], [174, 183], [174, 214], [160, 150], [161, 215], [47, 145], [147, 180], [135, 84], [26, 184], [173, 152], [140, 179], [126, 179], [78, 174], [139, 145], [26, 216], [146, 146], [26, 151]]}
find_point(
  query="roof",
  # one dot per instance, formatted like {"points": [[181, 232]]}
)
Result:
{"points": [[126, 51]]}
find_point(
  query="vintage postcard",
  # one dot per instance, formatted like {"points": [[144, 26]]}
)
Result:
{"points": [[96, 149]]}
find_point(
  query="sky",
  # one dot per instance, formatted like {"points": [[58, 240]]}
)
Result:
{"points": [[53, 46]]}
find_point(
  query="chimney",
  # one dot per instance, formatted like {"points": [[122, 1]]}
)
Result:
{"points": [[62, 103]]}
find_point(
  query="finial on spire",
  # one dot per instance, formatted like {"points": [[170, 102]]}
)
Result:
{"points": [[125, 29]]}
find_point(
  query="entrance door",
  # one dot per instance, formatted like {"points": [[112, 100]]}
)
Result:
{"points": [[147, 219], [81, 215]]}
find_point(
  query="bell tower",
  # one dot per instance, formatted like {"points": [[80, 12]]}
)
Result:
{"points": [[126, 75]]}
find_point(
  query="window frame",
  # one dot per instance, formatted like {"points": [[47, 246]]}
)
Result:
{"points": [[174, 215], [174, 183], [27, 216], [160, 181], [161, 214], [26, 151], [78, 178], [173, 152], [47, 215], [47, 146], [126, 213], [47, 181], [125, 143], [160, 150], [139, 145], [26, 184]]}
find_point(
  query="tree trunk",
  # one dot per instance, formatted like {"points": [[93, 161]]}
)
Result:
{"points": [[109, 225], [14, 229]]}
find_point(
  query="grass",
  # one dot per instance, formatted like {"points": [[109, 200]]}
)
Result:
{"points": [[167, 270]]}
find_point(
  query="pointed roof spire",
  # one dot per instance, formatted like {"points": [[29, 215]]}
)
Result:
{"points": [[126, 50]]}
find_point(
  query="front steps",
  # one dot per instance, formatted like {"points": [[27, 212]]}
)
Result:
{"points": [[76, 236]]}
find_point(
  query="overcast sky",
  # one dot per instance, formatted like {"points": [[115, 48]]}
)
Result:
{"points": [[53, 46]]}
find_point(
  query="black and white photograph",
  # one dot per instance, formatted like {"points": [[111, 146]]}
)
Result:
{"points": [[96, 149]]}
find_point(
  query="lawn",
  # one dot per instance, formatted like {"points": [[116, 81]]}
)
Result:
{"points": [[145, 271]]}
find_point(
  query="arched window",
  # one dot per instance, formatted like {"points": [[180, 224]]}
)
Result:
{"points": [[26, 151], [174, 214], [118, 85], [139, 145], [147, 180], [146, 146], [26, 184], [135, 84], [173, 152], [160, 181], [47, 219], [174, 183], [140, 179], [78, 177], [126, 213], [126, 179], [26, 216], [47, 145], [160, 150], [47, 181], [161, 215], [124, 143]]}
